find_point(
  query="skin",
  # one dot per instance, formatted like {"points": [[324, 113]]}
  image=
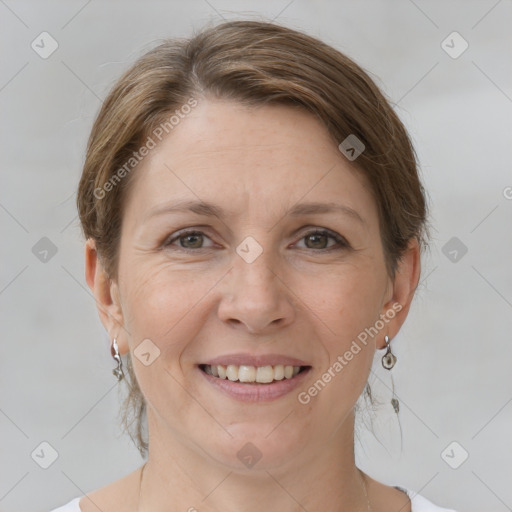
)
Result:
{"points": [[297, 298]]}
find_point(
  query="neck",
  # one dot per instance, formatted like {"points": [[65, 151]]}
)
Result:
{"points": [[182, 476]]}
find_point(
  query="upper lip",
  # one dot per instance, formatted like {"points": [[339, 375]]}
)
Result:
{"points": [[252, 360]]}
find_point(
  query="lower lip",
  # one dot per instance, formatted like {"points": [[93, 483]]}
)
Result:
{"points": [[252, 392]]}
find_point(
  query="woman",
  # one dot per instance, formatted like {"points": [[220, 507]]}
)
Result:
{"points": [[254, 222]]}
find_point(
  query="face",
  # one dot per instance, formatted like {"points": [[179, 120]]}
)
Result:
{"points": [[254, 279]]}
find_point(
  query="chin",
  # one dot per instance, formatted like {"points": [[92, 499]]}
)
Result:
{"points": [[258, 447]]}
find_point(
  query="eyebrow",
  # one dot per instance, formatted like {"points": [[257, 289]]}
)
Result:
{"points": [[208, 209], [319, 208]]}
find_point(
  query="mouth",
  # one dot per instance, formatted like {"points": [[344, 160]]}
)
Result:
{"points": [[253, 374], [247, 383]]}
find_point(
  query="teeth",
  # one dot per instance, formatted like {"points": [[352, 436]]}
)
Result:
{"points": [[279, 372], [245, 373], [264, 374], [232, 372]]}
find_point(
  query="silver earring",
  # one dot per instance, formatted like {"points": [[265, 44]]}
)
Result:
{"points": [[114, 349], [388, 361]]}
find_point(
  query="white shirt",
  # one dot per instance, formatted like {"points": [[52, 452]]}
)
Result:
{"points": [[418, 504]]}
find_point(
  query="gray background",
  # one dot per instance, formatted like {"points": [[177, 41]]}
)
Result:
{"points": [[453, 374]]}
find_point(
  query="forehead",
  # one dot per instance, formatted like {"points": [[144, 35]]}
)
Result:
{"points": [[245, 158]]}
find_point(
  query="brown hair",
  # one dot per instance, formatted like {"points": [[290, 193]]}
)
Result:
{"points": [[253, 63]]}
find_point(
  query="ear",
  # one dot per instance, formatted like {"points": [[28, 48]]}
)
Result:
{"points": [[106, 294], [402, 291]]}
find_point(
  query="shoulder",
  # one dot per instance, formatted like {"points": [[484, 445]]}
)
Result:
{"points": [[421, 504], [72, 506]]}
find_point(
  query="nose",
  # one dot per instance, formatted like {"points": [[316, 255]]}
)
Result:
{"points": [[255, 297]]}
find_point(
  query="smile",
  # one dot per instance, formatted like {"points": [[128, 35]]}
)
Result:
{"points": [[253, 374], [248, 383]]}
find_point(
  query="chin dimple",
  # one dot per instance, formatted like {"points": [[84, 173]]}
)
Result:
{"points": [[256, 374]]}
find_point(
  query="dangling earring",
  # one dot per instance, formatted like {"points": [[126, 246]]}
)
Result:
{"points": [[114, 349], [388, 361]]}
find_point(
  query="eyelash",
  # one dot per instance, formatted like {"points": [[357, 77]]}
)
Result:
{"points": [[341, 243]]}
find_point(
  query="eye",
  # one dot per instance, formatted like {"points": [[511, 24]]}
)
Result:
{"points": [[191, 240], [319, 239]]}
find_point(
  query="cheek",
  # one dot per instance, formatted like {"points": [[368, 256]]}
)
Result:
{"points": [[348, 300], [158, 308], [158, 302], [360, 305], [348, 306]]}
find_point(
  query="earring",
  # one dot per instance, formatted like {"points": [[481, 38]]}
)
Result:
{"points": [[114, 349], [388, 361]]}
